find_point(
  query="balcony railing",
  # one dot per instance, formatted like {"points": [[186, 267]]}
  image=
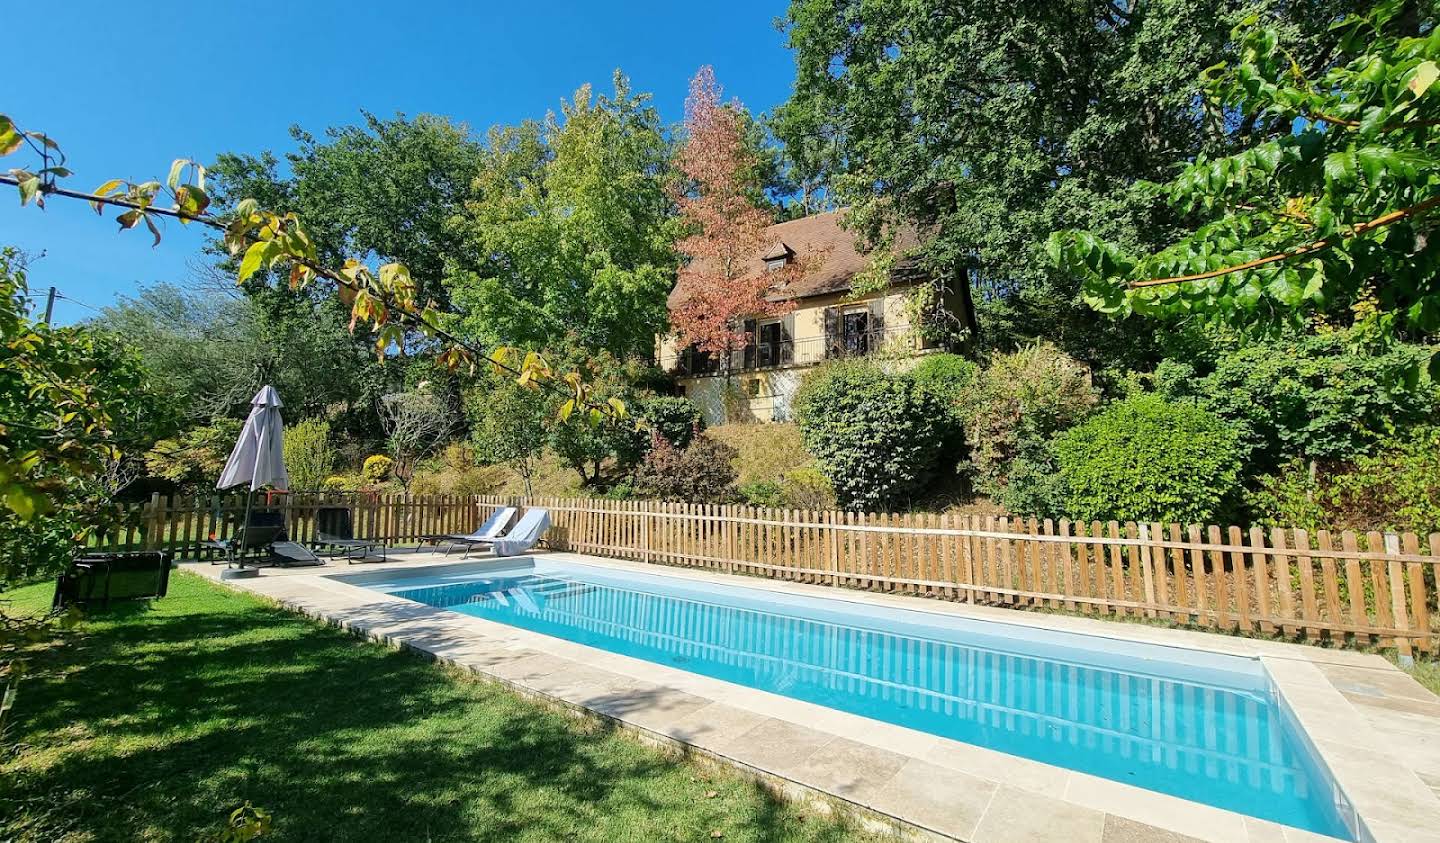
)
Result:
{"points": [[779, 355]]}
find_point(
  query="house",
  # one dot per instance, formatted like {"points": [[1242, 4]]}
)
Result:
{"points": [[826, 322]]}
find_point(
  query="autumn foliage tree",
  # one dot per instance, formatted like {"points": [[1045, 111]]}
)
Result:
{"points": [[725, 228]]}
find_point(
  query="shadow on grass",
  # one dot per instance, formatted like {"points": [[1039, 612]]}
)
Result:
{"points": [[153, 722]]}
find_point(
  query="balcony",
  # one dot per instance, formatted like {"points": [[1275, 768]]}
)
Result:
{"points": [[783, 354]]}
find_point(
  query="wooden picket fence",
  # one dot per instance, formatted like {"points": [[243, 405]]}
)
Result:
{"points": [[1361, 588]]}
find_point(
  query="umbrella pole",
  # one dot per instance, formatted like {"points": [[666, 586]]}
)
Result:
{"points": [[245, 524]]}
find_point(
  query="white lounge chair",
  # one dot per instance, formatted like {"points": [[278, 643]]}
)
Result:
{"points": [[493, 528], [526, 533]]}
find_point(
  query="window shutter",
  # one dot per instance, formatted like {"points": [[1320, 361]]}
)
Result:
{"points": [[832, 332], [750, 338], [876, 328], [786, 353]]}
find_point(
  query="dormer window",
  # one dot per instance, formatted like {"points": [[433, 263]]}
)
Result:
{"points": [[777, 256]]}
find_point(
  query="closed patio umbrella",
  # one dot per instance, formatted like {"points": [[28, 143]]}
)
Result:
{"points": [[258, 459]]}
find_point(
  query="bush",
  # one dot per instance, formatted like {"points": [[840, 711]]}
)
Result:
{"points": [[1329, 397], [700, 473], [807, 488], [342, 483], [763, 493], [376, 468], [454, 472], [875, 436], [1016, 404], [947, 377], [764, 451], [1148, 459], [1395, 489], [676, 419], [309, 457]]}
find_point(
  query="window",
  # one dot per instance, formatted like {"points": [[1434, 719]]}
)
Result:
{"points": [[855, 332], [776, 263]]}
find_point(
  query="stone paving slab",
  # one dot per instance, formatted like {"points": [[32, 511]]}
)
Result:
{"points": [[1376, 728]]}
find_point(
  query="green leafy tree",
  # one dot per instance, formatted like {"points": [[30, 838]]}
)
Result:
{"points": [[1329, 205], [990, 125], [510, 425], [210, 351], [1318, 398], [309, 455], [63, 394], [386, 188], [570, 225]]}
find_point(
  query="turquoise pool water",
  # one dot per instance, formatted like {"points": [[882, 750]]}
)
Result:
{"points": [[1199, 726]]}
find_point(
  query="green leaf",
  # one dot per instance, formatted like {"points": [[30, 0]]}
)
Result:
{"points": [[254, 258]]}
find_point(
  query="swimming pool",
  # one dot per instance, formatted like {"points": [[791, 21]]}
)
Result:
{"points": [[1201, 726]]}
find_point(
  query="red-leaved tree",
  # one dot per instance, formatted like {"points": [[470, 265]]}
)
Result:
{"points": [[720, 284]]}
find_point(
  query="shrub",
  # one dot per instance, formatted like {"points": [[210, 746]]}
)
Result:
{"points": [[763, 493], [195, 457], [1017, 403], [676, 419], [376, 468], [807, 488], [1395, 489], [342, 483], [309, 457], [764, 451], [947, 377], [1148, 459], [453, 472], [700, 473], [875, 436], [1317, 398]]}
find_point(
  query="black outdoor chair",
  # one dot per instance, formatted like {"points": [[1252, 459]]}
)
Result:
{"points": [[262, 541], [102, 577], [335, 535]]}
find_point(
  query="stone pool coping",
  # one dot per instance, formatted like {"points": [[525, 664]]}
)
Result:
{"points": [[1376, 729]]}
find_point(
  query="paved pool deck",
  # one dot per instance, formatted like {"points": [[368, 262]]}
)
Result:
{"points": [[1375, 727]]}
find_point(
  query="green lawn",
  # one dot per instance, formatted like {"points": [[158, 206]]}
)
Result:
{"points": [[153, 721]]}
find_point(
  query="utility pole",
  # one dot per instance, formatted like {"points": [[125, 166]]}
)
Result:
{"points": [[49, 305]]}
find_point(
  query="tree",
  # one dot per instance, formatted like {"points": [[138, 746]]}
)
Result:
{"points": [[415, 423], [717, 288], [386, 298], [63, 393], [309, 456], [567, 230], [510, 425], [210, 352], [1327, 207], [386, 188], [988, 126]]}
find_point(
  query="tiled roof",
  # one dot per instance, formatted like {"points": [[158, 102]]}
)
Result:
{"points": [[830, 251]]}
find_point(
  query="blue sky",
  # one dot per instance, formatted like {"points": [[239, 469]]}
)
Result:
{"points": [[126, 88]]}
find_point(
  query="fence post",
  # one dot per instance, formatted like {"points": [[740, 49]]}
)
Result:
{"points": [[154, 522], [1397, 601]]}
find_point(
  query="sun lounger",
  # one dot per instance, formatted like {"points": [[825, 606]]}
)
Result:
{"points": [[526, 533], [102, 577], [335, 535], [492, 529]]}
